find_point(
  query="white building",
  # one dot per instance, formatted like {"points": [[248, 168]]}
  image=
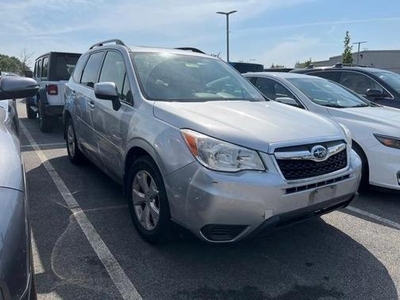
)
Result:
{"points": [[382, 59]]}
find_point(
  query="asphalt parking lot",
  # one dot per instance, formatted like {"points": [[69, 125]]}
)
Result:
{"points": [[85, 245]]}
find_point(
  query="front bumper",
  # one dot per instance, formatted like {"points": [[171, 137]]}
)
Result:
{"points": [[384, 166], [226, 207]]}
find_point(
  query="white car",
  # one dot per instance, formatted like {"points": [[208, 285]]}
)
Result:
{"points": [[375, 129]]}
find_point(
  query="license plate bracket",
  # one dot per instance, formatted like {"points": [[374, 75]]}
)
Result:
{"points": [[322, 194]]}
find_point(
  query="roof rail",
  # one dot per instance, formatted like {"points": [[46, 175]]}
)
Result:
{"points": [[190, 49], [116, 41]]}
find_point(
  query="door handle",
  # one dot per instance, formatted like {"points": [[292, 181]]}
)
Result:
{"points": [[91, 104]]}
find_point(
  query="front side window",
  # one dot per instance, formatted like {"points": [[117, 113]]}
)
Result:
{"points": [[114, 70], [91, 71], [181, 77], [327, 93], [359, 83]]}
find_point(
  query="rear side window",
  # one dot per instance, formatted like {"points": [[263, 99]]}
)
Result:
{"points": [[91, 71], [38, 68], [45, 68], [330, 75], [65, 64]]}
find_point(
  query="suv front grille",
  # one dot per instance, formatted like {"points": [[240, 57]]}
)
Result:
{"points": [[293, 169]]}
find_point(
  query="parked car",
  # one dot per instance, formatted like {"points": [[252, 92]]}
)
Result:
{"points": [[16, 266], [375, 129], [193, 142], [52, 70], [377, 85]]}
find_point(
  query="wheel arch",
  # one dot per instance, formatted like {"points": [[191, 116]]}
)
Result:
{"points": [[365, 164], [140, 148]]}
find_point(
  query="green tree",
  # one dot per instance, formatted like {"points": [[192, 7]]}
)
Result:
{"points": [[273, 66], [347, 57], [305, 64], [13, 64]]}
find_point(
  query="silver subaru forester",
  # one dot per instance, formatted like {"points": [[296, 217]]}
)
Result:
{"points": [[195, 144]]}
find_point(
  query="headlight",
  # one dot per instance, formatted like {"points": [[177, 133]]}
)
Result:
{"points": [[388, 141], [219, 155], [347, 134]]}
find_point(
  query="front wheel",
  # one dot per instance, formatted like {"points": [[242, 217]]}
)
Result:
{"points": [[148, 202]]}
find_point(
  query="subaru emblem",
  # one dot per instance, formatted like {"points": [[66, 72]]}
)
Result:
{"points": [[319, 152]]}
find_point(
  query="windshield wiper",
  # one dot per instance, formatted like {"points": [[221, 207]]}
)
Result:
{"points": [[334, 105]]}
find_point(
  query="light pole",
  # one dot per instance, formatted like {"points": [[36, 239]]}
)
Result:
{"points": [[358, 51], [227, 30]]}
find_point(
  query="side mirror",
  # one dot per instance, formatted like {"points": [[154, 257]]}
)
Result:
{"points": [[374, 93], [108, 91], [287, 100], [12, 87]]}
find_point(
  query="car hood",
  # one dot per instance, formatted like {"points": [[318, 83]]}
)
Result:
{"points": [[11, 175], [255, 125], [379, 117]]}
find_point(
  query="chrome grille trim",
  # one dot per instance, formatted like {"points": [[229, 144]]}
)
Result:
{"points": [[307, 155]]}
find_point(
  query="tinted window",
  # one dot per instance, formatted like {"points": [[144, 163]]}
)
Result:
{"points": [[114, 70], [79, 68], [179, 77], [45, 67], [358, 82], [274, 90], [331, 75], [65, 64], [91, 71], [267, 87]]}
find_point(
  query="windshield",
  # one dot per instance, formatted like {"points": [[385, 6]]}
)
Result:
{"points": [[328, 93], [181, 77], [391, 78]]}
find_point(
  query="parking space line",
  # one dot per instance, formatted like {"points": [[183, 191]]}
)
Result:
{"points": [[114, 269], [37, 264], [375, 217], [43, 145]]}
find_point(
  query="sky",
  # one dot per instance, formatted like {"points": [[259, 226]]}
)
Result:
{"points": [[280, 32]]}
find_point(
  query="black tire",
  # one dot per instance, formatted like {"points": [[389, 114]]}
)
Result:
{"points": [[29, 112], [75, 155], [46, 123], [364, 183], [144, 172]]}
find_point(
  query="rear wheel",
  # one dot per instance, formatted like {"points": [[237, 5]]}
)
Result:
{"points": [[46, 123], [29, 112], [148, 202], [364, 183], [74, 153]]}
